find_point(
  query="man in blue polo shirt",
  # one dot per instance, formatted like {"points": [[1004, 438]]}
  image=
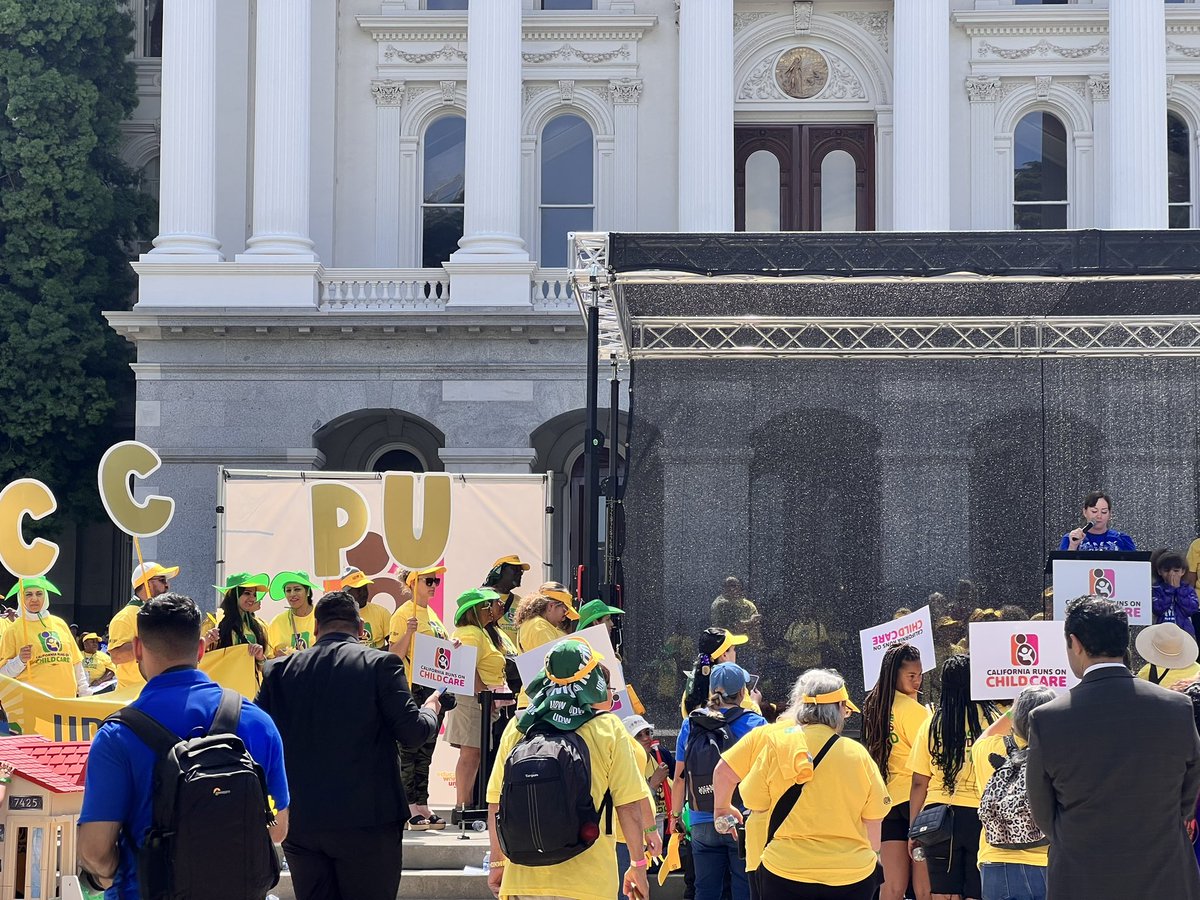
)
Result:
{"points": [[117, 795]]}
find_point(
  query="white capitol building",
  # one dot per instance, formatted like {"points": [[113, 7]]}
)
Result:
{"points": [[362, 253]]}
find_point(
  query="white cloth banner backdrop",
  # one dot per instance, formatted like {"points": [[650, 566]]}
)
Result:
{"points": [[267, 527], [915, 628], [1007, 657]]}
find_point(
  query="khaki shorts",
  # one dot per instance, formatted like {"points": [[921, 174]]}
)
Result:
{"points": [[463, 722]]}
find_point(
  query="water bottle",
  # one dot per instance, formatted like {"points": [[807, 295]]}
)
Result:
{"points": [[918, 853], [487, 861], [724, 824]]}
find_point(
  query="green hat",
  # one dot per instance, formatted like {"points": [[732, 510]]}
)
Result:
{"points": [[283, 579], [593, 610], [39, 582], [244, 579], [472, 598], [562, 693]]}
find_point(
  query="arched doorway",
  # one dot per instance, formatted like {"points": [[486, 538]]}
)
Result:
{"points": [[380, 440]]}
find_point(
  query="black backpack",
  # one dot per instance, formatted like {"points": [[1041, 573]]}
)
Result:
{"points": [[208, 837], [547, 814], [710, 735]]}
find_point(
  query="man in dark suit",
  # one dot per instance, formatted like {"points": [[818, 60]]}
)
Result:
{"points": [[341, 708], [1113, 772]]}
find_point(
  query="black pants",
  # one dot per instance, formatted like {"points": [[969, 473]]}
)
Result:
{"points": [[771, 885], [414, 764], [345, 864]]}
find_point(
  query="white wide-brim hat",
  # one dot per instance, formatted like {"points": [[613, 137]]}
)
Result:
{"points": [[1167, 646]]}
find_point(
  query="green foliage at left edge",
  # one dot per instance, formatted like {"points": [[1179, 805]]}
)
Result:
{"points": [[68, 208]]}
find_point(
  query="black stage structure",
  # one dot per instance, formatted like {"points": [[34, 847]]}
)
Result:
{"points": [[853, 422]]}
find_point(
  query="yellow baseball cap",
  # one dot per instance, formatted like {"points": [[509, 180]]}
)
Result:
{"points": [[411, 578], [143, 573], [513, 560], [353, 577], [90, 636]]}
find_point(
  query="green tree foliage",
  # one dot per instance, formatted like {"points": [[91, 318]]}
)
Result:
{"points": [[68, 208]]}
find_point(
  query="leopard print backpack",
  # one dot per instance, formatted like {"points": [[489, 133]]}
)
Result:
{"points": [[1004, 806]]}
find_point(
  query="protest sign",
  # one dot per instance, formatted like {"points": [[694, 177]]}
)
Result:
{"points": [[34, 711], [1125, 583], [232, 667], [915, 628], [1007, 657], [439, 664], [529, 664], [622, 705]]}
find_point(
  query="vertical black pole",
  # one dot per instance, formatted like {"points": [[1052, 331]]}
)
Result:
{"points": [[591, 483], [610, 545]]}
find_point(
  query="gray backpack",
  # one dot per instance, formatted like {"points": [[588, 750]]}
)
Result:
{"points": [[1004, 806]]}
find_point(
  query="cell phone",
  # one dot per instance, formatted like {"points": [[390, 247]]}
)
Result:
{"points": [[442, 690], [753, 683], [740, 831]]}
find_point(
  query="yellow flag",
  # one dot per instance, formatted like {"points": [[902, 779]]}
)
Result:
{"points": [[671, 860], [57, 718], [232, 667]]}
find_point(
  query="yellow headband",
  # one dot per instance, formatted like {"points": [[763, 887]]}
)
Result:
{"points": [[838, 696], [582, 673], [560, 596]]}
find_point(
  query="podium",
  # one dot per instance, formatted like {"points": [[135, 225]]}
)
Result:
{"points": [[1123, 578]]}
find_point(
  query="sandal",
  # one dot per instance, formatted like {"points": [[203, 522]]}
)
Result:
{"points": [[436, 822], [417, 823]]}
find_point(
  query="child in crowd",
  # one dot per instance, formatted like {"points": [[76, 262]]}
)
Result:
{"points": [[1173, 598]]}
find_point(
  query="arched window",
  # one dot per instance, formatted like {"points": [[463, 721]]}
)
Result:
{"points": [[442, 194], [1040, 172], [763, 179], [567, 186], [1179, 173]]}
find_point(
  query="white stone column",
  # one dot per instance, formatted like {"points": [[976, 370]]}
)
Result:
{"points": [[885, 133], [282, 133], [187, 205], [706, 115], [492, 215], [1138, 145], [989, 209], [625, 95], [922, 116], [389, 99], [1098, 87]]}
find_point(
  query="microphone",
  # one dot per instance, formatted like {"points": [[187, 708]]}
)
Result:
{"points": [[1088, 526]]}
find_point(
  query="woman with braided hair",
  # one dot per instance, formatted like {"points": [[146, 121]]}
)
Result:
{"points": [[942, 774], [892, 716]]}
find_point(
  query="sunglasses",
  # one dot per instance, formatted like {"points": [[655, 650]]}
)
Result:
{"points": [[432, 582]]}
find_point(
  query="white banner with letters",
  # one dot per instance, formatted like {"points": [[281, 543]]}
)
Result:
{"points": [[915, 628], [1126, 584], [1007, 657], [439, 664]]}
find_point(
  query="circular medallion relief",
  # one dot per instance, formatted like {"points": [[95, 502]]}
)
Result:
{"points": [[802, 72]]}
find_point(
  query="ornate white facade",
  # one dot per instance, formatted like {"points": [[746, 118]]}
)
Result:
{"points": [[288, 313]]}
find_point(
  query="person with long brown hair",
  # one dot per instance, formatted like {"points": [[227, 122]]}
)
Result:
{"points": [[541, 617], [892, 716]]}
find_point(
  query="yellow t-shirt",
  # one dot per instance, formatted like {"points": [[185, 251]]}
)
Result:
{"points": [[980, 753], [376, 622], [741, 757], [1193, 556], [592, 875], [121, 631], [648, 766], [97, 664], [920, 762], [536, 631], [490, 662], [907, 716], [51, 668], [823, 839], [1171, 676], [427, 623], [289, 632]]}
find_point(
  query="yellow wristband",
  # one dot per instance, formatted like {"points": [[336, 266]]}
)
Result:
{"points": [[497, 863]]}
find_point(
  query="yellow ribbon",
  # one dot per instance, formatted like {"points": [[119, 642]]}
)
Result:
{"points": [[582, 673]]}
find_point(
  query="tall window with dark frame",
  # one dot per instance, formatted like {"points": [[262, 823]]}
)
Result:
{"points": [[443, 189], [152, 27], [1040, 172], [567, 186], [445, 4], [804, 178], [1179, 173], [566, 5]]}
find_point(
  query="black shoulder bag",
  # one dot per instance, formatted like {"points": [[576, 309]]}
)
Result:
{"points": [[783, 808]]}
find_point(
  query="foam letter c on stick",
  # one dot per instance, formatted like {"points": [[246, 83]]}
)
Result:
{"points": [[118, 463], [25, 497], [330, 501]]}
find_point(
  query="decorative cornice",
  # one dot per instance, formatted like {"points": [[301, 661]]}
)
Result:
{"points": [[423, 26], [567, 51], [1043, 48], [1189, 52], [983, 88], [1033, 21], [388, 92]]}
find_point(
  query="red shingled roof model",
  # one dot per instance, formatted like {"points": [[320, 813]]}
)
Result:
{"points": [[58, 767]]}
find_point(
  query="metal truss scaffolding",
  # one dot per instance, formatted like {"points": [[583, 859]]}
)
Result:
{"points": [[783, 337]]}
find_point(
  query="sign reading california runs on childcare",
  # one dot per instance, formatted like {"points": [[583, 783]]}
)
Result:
{"points": [[1007, 657], [439, 664]]}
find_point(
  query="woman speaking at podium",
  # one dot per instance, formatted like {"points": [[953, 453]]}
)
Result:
{"points": [[1095, 533]]}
